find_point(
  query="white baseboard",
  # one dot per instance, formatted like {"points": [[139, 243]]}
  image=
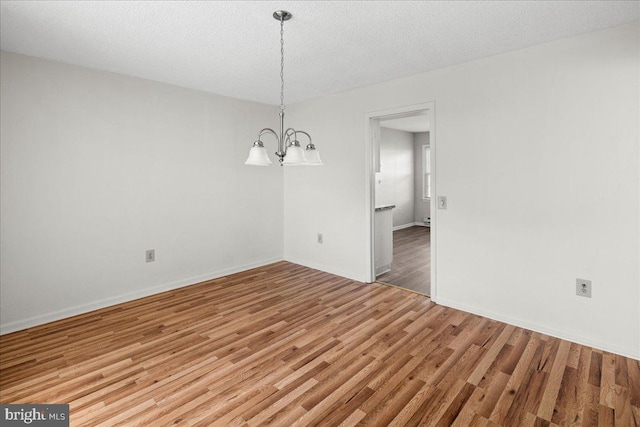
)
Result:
{"points": [[130, 296], [383, 269], [324, 268], [627, 352]]}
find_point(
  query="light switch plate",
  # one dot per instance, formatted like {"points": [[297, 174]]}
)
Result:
{"points": [[442, 202]]}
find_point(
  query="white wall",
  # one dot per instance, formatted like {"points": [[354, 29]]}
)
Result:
{"points": [[537, 151], [422, 208], [98, 167], [395, 181]]}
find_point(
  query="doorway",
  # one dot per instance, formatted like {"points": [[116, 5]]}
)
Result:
{"points": [[401, 175]]}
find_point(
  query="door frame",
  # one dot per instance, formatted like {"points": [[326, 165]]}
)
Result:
{"points": [[405, 111]]}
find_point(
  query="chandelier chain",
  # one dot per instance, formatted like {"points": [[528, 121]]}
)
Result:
{"points": [[281, 64]]}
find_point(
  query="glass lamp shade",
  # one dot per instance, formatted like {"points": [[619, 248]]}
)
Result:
{"points": [[258, 157], [313, 157], [295, 156]]}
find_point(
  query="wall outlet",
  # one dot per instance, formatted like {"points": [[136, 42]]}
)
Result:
{"points": [[583, 288], [150, 255], [320, 238]]}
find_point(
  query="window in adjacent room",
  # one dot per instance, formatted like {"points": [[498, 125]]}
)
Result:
{"points": [[426, 167]]}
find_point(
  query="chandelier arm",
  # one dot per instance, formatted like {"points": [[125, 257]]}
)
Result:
{"points": [[287, 137], [310, 145], [281, 152], [268, 131], [305, 133]]}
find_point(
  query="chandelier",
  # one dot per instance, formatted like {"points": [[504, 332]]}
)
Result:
{"points": [[289, 150]]}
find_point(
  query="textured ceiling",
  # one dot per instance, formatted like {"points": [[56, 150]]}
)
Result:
{"points": [[232, 47]]}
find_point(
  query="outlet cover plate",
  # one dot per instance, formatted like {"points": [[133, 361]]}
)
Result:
{"points": [[150, 255], [583, 288]]}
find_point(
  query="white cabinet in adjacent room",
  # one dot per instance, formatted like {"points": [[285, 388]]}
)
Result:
{"points": [[383, 238]]}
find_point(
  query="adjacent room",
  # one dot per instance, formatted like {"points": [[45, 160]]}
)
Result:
{"points": [[403, 194], [320, 213]]}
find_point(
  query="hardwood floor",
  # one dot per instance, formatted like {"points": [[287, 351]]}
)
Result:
{"points": [[285, 345], [411, 265]]}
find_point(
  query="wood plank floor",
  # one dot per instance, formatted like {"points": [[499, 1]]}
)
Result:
{"points": [[285, 345], [411, 265]]}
